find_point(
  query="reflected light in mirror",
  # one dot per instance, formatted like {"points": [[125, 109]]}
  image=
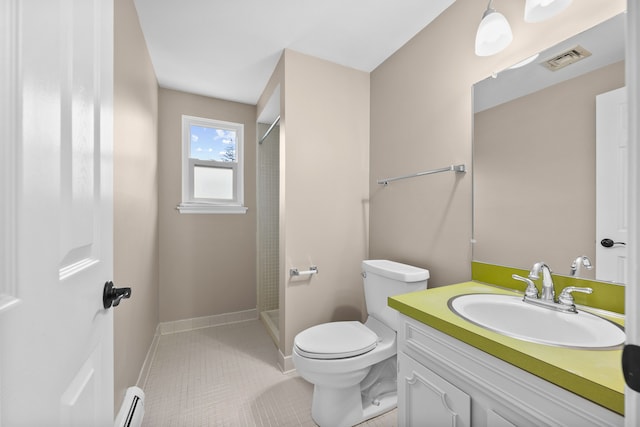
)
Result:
{"points": [[540, 10], [524, 62]]}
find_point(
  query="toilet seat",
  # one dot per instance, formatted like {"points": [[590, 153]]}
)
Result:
{"points": [[335, 340]]}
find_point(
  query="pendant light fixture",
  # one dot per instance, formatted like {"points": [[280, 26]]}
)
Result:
{"points": [[494, 33], [540, 10]]}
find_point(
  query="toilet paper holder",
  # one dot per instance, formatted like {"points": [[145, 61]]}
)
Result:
{"points": [[295, 272]]}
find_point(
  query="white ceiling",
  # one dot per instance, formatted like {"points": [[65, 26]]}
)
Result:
{"points": [[228, 49]]}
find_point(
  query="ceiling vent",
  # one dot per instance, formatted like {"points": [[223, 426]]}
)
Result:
{"points": [[568, 57]]}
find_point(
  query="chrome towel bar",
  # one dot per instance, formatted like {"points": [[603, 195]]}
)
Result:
{"points": [[453, 168]]}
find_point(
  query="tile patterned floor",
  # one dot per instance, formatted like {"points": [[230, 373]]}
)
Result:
{"points": [[227, 376]]}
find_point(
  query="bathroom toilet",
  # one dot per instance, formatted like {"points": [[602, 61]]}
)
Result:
{"points": [[353, 365]]}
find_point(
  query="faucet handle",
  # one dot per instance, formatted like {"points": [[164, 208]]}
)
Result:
{"points": [[531, 291], [565, 296]]}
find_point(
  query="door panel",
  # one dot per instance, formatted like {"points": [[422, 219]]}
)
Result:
{"points": [[80, 106]]}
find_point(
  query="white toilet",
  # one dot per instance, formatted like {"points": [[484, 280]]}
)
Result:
{"points": [[353, 365]]}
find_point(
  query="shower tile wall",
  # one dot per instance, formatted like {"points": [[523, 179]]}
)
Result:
{"points": [[268, 200]]}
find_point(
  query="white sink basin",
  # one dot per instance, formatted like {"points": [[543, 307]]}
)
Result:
{"points": [[509, 315]]}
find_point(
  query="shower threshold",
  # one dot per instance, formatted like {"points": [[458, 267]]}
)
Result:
{"points": [[271, 320]]}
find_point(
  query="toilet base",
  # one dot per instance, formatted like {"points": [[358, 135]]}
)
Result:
{"points": [[346, 407], [352, 390], [385, 404]]}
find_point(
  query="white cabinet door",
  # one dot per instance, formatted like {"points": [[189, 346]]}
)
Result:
{"points": [[425, 399], [56, 338]]}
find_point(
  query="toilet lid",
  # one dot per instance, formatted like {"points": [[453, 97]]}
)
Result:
{"points": [[335, 340]]}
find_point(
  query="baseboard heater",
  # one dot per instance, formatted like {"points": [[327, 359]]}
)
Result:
{"points": [[132, 409]]}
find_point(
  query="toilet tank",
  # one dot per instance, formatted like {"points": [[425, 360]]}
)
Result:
{"points": [[384, 278]]}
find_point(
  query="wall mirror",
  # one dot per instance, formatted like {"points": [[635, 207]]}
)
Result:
{"points": [[534, 154]]}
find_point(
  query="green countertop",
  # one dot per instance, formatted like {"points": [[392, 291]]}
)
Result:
{"points": [[593, 374]]}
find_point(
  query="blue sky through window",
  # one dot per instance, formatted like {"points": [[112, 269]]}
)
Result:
{"points": [[212, 144]]}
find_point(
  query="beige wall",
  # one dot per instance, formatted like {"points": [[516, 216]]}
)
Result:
{"points": [[135, 197], [324, 209], [421, 119], [324, 191], [535, 174], [207, 261]]}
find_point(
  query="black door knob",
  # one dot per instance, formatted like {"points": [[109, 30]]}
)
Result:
{"points": [[111, 295], [631, 367], [608, 243]]}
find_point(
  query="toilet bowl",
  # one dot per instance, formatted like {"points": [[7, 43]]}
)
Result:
{"points": [[353, 365]]}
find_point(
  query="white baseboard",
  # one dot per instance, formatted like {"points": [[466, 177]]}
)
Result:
{"points": [[148, 360], [165, 328], [285, 363], [207, 321]]}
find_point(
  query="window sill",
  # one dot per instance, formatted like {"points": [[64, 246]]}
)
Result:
{"points": [[210, 209]]}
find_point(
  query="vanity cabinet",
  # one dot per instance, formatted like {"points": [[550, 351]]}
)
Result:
{"points": [[428, 396], [445, 382]]}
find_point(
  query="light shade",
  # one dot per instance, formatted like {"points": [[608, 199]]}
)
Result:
{"points": [[539, 10], [494, 33]]}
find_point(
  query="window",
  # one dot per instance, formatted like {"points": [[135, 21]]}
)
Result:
{"points": [[212, 166]]}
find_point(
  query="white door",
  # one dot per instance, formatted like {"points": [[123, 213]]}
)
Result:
{"points": [[56, 339], [612, 153], [632, 290]]}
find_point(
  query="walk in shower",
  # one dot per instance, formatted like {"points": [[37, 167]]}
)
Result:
{"points": [[268, 176]]}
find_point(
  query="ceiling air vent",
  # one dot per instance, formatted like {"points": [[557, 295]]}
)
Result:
{"points": [[568, 57]]}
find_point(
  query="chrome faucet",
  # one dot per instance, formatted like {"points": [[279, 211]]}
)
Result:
{"points": [[578, 262], [566, 299], [548, 292], [565, 302], [531, 291]]}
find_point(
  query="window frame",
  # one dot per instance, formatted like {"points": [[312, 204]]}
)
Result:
{"points": [[189, 203]]}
